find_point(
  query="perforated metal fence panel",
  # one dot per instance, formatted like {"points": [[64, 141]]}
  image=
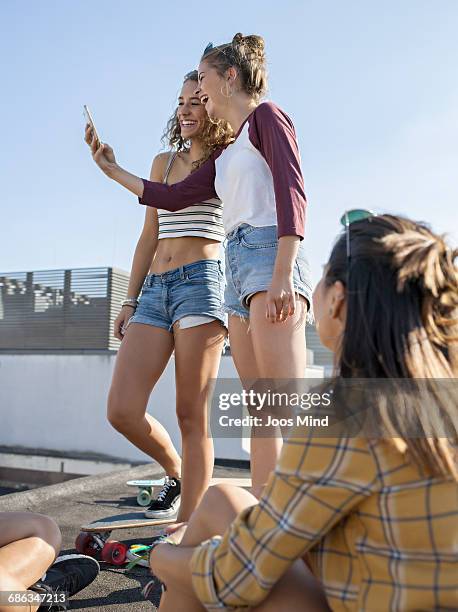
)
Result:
{"points": [[60, 310]]}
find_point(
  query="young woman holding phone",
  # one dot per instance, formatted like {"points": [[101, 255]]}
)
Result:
{"points": [[259, 179], [177, 269]]}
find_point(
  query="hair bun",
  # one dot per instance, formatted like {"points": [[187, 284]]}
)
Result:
{"points": [[252, 46], [246, 54], [238, 38]]}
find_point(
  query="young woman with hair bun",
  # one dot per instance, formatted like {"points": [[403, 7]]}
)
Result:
{"points": [[259, 179]]}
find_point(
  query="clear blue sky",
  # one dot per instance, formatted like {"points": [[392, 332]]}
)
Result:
{"points": [[371, 86]]}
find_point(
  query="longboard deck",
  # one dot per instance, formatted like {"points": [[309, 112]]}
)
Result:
{"points": [[137, 519], [237, 482], [130, 520], [145, 483]]}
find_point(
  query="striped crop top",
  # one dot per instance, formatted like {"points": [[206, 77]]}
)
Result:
{"points": [[203, 219]]}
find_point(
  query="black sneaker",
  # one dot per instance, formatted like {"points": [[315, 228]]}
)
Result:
{"points": [[68, 574], [168, 500]]}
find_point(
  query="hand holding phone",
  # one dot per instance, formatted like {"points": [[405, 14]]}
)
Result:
{"points": [[102, 153], [90, 121]]}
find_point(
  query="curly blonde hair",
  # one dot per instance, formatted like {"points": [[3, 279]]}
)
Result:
{"points": [[215, 133]]}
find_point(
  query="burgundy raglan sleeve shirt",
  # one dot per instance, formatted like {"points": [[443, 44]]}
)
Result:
{"points": [[272, 133], [197, 187]]}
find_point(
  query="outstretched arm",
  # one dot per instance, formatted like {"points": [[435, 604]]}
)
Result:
{"points": [[197, 187], [104, 157]]}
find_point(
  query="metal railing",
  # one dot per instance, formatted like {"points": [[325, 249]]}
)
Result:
{"points": [[74, 311], [60, 310]]}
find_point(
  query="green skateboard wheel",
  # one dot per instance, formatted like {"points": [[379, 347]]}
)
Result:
{"points": [[144, 497]]}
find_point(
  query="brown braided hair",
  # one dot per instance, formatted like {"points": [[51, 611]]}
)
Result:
{"points": [[401, 287]]}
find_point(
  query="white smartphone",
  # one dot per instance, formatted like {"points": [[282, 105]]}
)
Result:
{"points": [[90, 120]]}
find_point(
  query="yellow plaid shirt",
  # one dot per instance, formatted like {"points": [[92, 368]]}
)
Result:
{"points": [[379, 535]]}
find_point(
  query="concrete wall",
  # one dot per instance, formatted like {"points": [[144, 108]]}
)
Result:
{"points": [[58, 402]]}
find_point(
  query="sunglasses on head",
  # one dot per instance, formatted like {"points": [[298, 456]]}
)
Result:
{"points": [[211, 47], [349, 217], [208, 48]]}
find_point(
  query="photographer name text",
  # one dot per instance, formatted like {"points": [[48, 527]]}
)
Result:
{"points": [[270, 421]]}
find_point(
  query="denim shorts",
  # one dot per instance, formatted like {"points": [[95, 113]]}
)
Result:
{"points": [[250, 260], [193, 289]]}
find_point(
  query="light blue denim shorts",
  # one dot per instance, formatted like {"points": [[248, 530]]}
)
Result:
{"points": [[250, 260], [193, 289]]}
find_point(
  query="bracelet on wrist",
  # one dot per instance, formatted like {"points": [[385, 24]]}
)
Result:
{"points": [[133, 302]]}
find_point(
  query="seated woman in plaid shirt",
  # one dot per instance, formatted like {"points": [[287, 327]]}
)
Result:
{"points": [[373, 517]]}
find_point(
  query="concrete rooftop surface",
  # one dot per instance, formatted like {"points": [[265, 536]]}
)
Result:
{"points": [[83, 500]]}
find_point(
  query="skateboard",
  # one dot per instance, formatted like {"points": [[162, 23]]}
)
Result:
{"points": [[145, 489], [93, 539]]}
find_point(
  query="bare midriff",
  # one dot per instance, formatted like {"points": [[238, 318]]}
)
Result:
{"points": [[175, 252]]}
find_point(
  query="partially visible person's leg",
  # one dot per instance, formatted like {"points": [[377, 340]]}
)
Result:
{"points": [[280, 348], [29, 543], [218, 508], [264, 450], [298, 590], [274, 351], [197, 358], [277, 349], [141, 360], [280, 354]]}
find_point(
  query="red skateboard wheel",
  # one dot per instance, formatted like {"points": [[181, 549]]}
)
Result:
{"points": [[114, 553], [86, 544]]}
